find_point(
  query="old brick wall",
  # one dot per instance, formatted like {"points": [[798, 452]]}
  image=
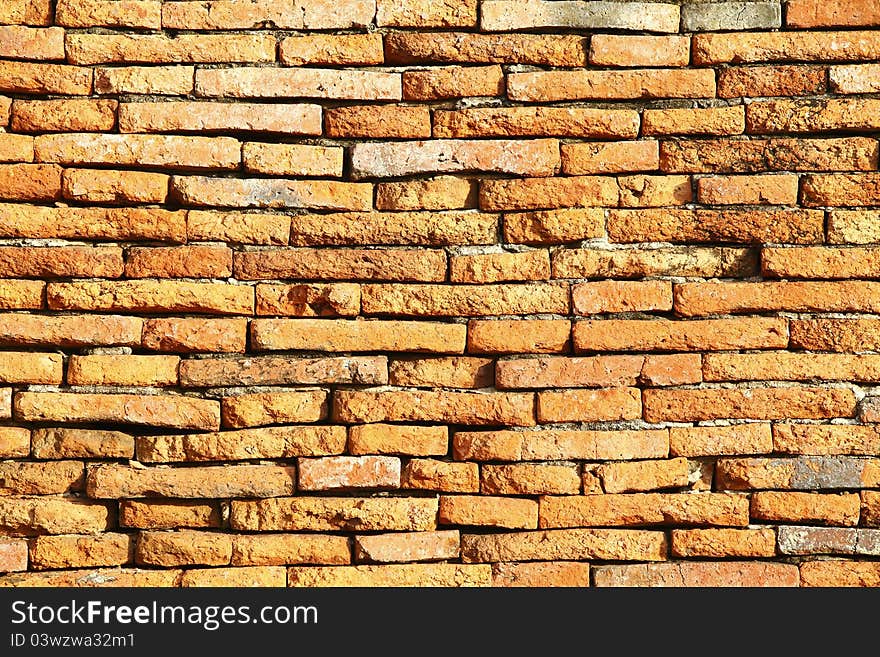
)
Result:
{"points": [[409, 292]]}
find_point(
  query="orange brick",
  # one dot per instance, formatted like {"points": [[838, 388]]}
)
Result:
{"points": [[378, 122], [620, 50], [464, 300], [755, 81], [709, 121], [39, 78], [824, 509], [267, 576], [129, 224], [535, 336], [14, 148], [403, 547], [190, 334], [63, 115], [418, 47], [542, 573], [396, 439], [423, 13], [799, 473], [453, 82], [13, 555], [16, 295], [665, 405], [840, 573], [282, 370], [16, 442], [98, 577], [562, 372], [635, 476], [787, 366], [751, 438], [554, 226], [26, 12], [309, 300], [262, 82], [49, 478], [179, 262], [232, 15], [437, 193], [391, 575], [806, 115], [552, 86], [62, 442], [621, 297], [145, 14], [237, 227], [445, 372], [825, 439], [184, 547], [32, 516], [785, 46], [70, 330], [153, 80], [651, 191], [277, 407], [30, 182], [539, 193], [302, 119], [348, 473], [854, 79], [530, 479], [699, 574], [118, 187], [714, 543], [61, 262], [88, 49], [535, 122], [830, 13], [280, 549], [97, 370], [610, 157], [17, 42], [292, 159], [441, 476], [840, 335], [748, 190], [602, 405], [483, 511], [335, 50], [152, 410], [81, 551]]}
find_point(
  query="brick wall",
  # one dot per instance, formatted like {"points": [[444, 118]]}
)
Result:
{"points": [[400, 292]]}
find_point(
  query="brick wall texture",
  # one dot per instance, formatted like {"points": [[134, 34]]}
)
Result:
{"points": [[454, 293]]}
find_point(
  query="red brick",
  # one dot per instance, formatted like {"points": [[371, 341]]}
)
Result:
{"points": [[378, 122], [453, 82], [620, 50], [535, 336], [830, 13], [755, 81], [30, 182]]}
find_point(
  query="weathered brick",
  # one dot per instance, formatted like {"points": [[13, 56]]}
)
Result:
{"points": [[751, 438], [179, 262], [403, 547], [854, 79], [441, 476], [536, 157], [825, 509], [69, 330], [535, 121], [828, 439], [152, 296], [403, 228], [530, 479], [692, 299], [292, 159], [830, 13], [507, 15], [117, 187], [271, 193], [635, 476], [621, 297], [345, 264], [701, 262], [535, 336], [453, 82], [335, 50], [554, 445], [798, 473], [14, 148], [709, 121], [145, 14], [391, 575], [302, 119], [786, 366], [840, 189], [190, 334], [348, 473], [163, 151], [870, 511], [840, 573], [754, 81], [826, 540], [422, 13], [671, 369], [247, 82], [699, 574], [64, 442], [554, 86], [32, 516], [26, 12], [809, 115], [444, 372], [701, 226], [601, 405], [716, 16], [265, 443], [185, 547], [276, 407], [63, 115], [574, 544], [28, 221], [748, 190], [97, 577], [152, 80], [538, 193], [30, 367], [280, 549], [564, 372], [309, 300], [39, 78], [5, 403], [627, 50], [464, 300], [282, 370], [89, 49], [13, 555], [232, 15], [153, 410], [669, 335], [666, 405], [688, 509], [268, 576], [378, 122], [52, 477], [754, 155], [573, 574], [483, 511], [396, 439], [553, 226], [18, 42], [115, 481], [437, 193], [434, 406], [853, 227], [355, 335], [237, 227], [610, 157], [116, 370], [79, 551], [30, 182], [450, 47], [16, 442], [335, 513], [715, 543], [498, 267], [785, 46], [168, 514]]}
